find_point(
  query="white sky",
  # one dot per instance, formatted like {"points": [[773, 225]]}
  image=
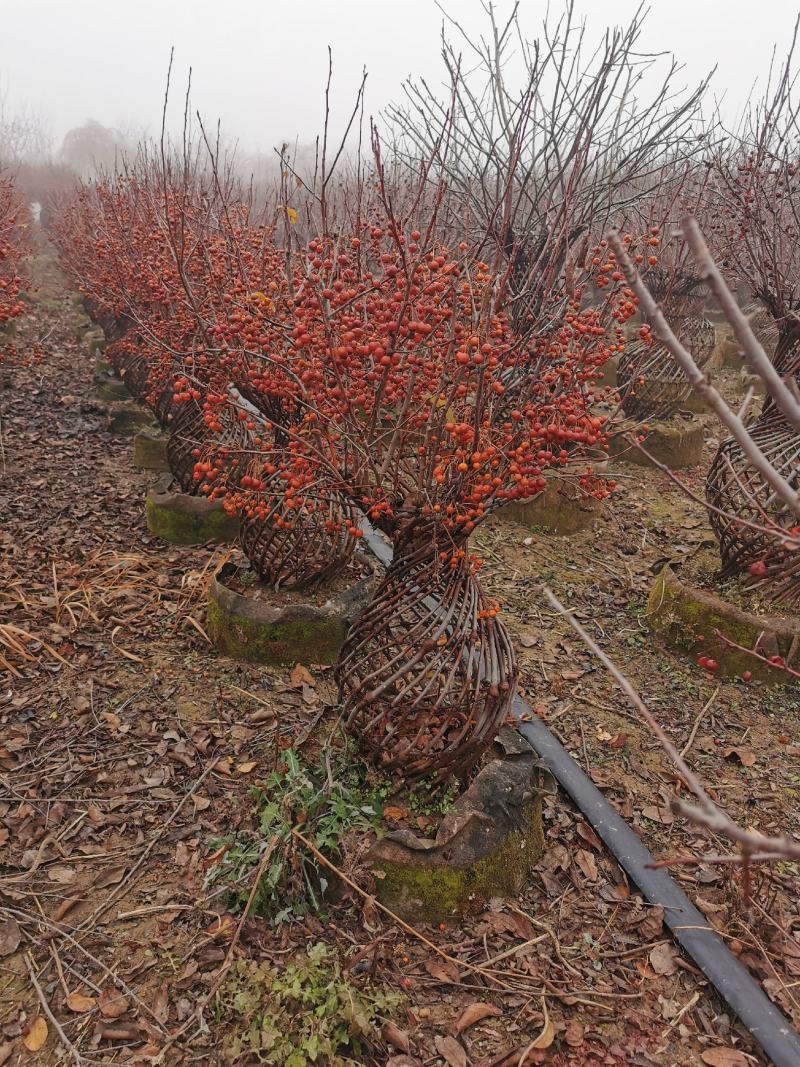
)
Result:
{"points": [[260, 65]]}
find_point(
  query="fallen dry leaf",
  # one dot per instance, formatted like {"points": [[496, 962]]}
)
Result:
{"points": [[223, 926], [201, 803], [473, 1013], [5, 1051], [62, 875], [300, 675], [548, 1034], [396, 1037], [652, 924], [110, 877], [443, 970], [36, 1034], [656, 814], [112, 1004], [744, 755], [262, 715], [65, 906], [589, 836], [662, 958], [587, 864], [724, 1057], [403, 1061], [246, 768], [573, 1034], [391, 812], [10, 937], [161, 1003], [79, 1003], [451, 1051]]}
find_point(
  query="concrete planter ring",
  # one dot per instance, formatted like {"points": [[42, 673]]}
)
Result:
{"points": [[487, 846], [297, 630], [689, 619], [187, 520], [677, 444], [563, 507], [150, 451]]}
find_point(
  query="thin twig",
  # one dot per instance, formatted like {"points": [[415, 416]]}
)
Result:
{"points": [[65, 1041]]}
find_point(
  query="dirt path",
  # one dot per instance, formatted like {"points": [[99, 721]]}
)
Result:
{"points": [[128, 749]]}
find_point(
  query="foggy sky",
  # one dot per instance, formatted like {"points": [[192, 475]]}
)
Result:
{"points": [[260, 66]]}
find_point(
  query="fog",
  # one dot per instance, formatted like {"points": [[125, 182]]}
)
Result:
{"points": [[260, 67]]}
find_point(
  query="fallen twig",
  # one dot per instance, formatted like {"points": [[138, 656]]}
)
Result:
{"points": [[65, 1041]]}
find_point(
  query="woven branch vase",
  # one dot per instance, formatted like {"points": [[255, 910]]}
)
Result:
{"points": [[739, 491], [427, 674]]}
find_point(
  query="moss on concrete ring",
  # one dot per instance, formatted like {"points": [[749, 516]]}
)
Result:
{"points": [[188, 520], [150, 451], [486, 847], [127, 418], [688, 619], [260, 632]]}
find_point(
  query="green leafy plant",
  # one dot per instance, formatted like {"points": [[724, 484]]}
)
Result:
{"points": [[430, 797], [326, 803], [307, 1013]]}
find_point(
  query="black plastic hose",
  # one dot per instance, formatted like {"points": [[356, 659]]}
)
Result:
{"points": [[735, 985], [770, 1028]]}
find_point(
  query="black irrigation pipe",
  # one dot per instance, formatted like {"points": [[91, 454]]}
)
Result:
{"points": [[770, 1028]]}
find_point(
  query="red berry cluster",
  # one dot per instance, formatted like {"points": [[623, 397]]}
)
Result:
{"points": [[13, 252]]}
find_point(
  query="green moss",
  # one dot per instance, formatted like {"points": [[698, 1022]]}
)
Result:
{"points": [[110, 389], [182, 528], [435, 892], [150, 452], [127, 419], [301, 641]]}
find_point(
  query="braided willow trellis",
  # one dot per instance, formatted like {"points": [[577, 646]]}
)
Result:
{"points": [[188, 432], [134, 370], [161, 399], [652, 384], [292, 547], [299, 547], [763, 325], [427, 673], [739, 491]]}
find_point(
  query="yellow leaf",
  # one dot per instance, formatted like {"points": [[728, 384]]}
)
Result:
{"points": [[260, 298], [548, 1034], [36, 1035], [245, 768], [292, 214], [77, 1002]]}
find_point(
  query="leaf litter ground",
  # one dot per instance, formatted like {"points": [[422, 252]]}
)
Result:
{"points": [[128, 747]]}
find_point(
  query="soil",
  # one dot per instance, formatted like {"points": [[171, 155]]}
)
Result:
{"points": [[246, 582], [128, 746]]}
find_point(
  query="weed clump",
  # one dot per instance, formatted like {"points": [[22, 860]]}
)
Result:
{"points": [[307, 1013]]}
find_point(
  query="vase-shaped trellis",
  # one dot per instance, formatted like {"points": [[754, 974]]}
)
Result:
{"points": [[427, 673]]}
